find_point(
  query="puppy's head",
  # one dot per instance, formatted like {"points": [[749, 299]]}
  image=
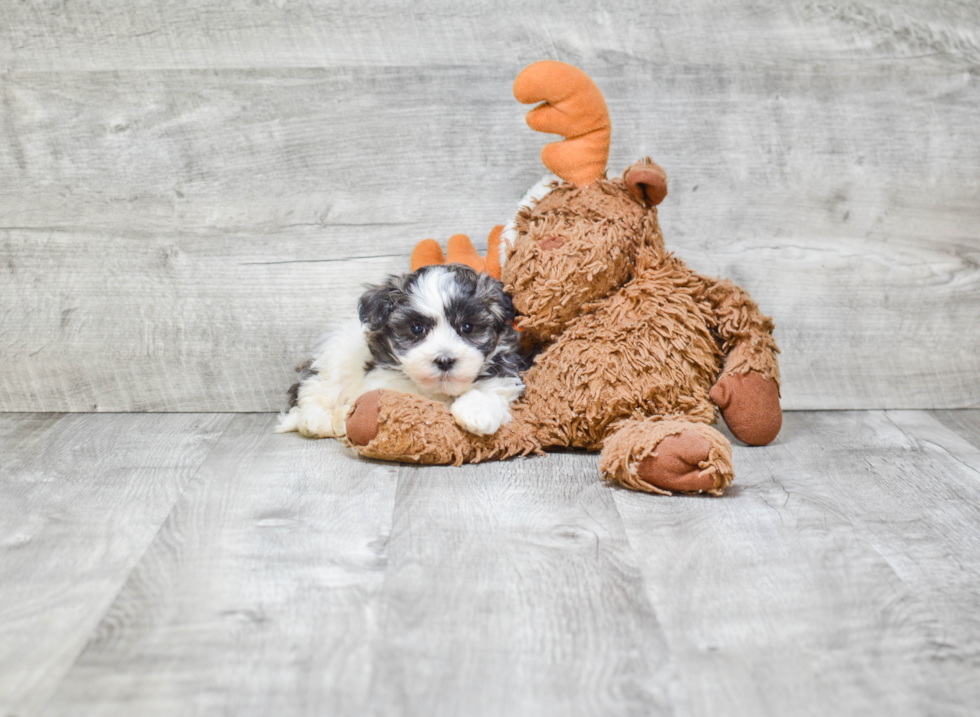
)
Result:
{"points": [[443, 326]]}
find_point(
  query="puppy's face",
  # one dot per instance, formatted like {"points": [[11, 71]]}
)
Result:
{"points": [[443, 326]]}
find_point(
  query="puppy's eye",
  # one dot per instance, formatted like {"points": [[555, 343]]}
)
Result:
{"points": [[466, 328], [418, 329]]}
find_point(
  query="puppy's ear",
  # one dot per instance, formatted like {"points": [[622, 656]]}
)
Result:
{"points": [[498, 303], [376, 304]]}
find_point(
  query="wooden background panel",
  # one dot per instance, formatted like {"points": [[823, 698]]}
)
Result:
{"points": [[116, 34], [822, 156], [848, 149], [267, 149], [182, 321], [151, 323]]}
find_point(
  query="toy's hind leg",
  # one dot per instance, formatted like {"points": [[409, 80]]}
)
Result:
{"points": [[667, 456], [403, 427]]}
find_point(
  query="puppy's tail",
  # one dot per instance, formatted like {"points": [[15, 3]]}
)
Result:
{"points": [[288, 422], [573, 106]]}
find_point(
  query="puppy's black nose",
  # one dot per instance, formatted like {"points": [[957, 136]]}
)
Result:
{"points": [[445, 363]]}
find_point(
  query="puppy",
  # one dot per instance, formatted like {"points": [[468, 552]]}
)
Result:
{"points": [[444, 332]]}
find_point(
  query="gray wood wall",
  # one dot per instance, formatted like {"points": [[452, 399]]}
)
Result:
{"points": [[192, 190]]}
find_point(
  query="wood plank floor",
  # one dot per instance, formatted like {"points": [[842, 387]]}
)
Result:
{"points": [[198, 564]]}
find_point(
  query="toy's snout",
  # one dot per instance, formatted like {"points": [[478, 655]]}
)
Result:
{"points": [[578, 245], [552, 241], [550, 275]]}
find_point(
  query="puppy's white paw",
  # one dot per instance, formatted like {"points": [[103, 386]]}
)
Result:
{"points": [[316, 422], [480, 413]]}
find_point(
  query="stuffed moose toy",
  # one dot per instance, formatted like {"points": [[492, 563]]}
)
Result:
{"points": [[635, 350]]}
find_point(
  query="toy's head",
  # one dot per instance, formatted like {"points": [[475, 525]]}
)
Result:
{"points": [[586, 237]]}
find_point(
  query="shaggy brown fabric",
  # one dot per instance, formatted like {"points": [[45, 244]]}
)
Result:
{"points": [[666, 456], [592, 224], [745, 332], [413, 429], [631, 343]]}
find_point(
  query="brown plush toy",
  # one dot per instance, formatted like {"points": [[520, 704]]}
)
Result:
{"points": [[636, 349]]}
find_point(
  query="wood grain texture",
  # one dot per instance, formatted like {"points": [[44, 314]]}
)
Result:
{"points": [[175, 322], [259, 595], [966, 424], [180, 34], [81, 498], [822, 155], [839, 577], [511, 590], [292, 579]]}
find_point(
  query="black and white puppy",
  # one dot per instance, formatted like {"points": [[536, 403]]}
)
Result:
{"points": [[444, 332]]}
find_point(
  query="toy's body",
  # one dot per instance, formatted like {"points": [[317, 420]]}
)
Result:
{"points": [[636, 350]]}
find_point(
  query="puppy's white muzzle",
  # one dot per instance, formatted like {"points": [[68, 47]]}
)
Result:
{"points": [[443, 362]]}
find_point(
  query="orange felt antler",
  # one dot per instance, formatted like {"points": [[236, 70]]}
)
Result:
{"points": [[572, 106], [426, 253], [460, 251]]}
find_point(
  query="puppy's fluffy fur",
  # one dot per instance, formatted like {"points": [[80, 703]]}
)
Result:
{"points": [[444, 332]]}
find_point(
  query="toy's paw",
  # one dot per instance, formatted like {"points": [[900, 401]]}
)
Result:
{"points": [[674, 465], [480, 413], [749, 404], [362, 422], [668, 456]]}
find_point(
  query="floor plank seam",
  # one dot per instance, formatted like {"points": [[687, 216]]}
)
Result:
{"points": [[919, 442], [377, 599], [123, 583]]}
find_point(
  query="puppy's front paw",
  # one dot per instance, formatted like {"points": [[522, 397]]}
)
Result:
{"points": [[480, 413], [316, 422]]}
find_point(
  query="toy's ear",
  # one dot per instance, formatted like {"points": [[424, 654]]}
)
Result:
{"points": [[647, 181], [376, 304]]}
